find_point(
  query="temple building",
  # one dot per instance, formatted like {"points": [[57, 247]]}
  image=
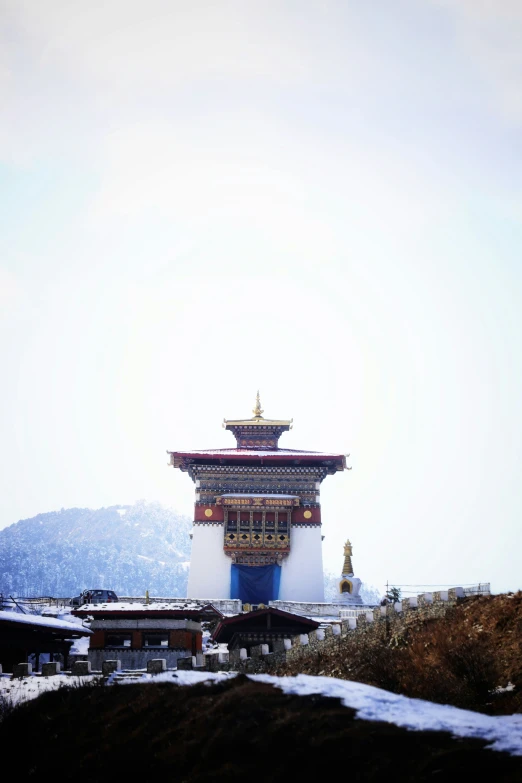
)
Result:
{"points": [[257, 515]]}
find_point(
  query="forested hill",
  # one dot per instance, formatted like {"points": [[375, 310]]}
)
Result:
{"points": [[128, 549]]}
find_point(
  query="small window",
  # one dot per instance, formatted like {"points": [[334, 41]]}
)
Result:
{"points": [[118, 640], [155, 640]]}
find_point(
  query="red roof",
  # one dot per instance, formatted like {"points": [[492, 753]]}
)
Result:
{"points": [[258, 452]]}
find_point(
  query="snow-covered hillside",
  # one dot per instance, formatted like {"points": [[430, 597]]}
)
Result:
{"points": [[128, 549]]}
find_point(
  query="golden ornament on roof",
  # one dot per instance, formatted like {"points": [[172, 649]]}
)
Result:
{"points": [[258, 410]]}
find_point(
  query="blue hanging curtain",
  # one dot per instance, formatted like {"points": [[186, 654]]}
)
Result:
{"points": [[255, 584]]}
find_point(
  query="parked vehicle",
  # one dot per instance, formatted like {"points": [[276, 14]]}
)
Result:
{"points": [[94, 597]]}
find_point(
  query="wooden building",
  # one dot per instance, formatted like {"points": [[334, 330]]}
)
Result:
{"points": [[25, 635], [137, 633], [261, 627]]}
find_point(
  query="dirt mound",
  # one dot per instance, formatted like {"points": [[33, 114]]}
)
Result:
{"points": [[470, 658], [232, 731]]}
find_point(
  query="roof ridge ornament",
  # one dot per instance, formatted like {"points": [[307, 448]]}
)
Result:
{"points": [[257, 411], [258, 432]]}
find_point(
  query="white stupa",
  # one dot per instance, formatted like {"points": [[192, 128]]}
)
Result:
{"points": [[349, 585]]}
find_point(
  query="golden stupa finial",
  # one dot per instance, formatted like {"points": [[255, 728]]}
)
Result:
{"points": [[258, 410], [347, 567]]}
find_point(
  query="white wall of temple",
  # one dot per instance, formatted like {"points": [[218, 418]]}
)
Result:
{"points": [[302, 570], [209, 575]]}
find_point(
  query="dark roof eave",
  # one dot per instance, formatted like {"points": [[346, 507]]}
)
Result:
{"points": [[239, 619], [183, 460]]}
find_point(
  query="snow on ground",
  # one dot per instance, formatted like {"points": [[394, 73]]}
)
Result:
{"points": [[17, 691], [503, 733]]}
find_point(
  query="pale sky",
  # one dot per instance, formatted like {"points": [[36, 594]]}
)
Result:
{"points": [[321, 200]]}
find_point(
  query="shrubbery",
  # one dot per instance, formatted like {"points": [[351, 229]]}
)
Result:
{"points": [[465, 659]]}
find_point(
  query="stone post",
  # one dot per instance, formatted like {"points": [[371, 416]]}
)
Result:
{"points": [[456, 592], [108, 667], [156, 666], [22, 670], [50, 669], [81, 668]]}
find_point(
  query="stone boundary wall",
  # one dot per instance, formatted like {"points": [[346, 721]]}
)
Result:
{"points": [[382, 623], [136, 659], [319, 610]]}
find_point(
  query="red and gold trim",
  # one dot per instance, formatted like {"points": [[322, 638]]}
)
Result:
{"points": [[306, 516], [208, 512]]}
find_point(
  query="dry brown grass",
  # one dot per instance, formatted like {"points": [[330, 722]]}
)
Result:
{"points": [[461, 659]]}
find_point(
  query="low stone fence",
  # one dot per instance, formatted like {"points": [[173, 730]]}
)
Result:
{"points": [[382, 623], [483, 588], [50, 669], [320, 610], [84, 668]]}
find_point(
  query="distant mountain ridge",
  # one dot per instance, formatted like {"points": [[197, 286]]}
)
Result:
{"points": [[128, 549]]}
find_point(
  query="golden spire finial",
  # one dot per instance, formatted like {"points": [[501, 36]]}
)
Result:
{"points": [[347, 567], [258, 410]]}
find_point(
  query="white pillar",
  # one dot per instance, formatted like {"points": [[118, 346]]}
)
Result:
{"points": [[302, 571], [209, 575]]}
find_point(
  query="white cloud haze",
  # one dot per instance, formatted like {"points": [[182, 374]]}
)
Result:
{"points": [[321, 201]]}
